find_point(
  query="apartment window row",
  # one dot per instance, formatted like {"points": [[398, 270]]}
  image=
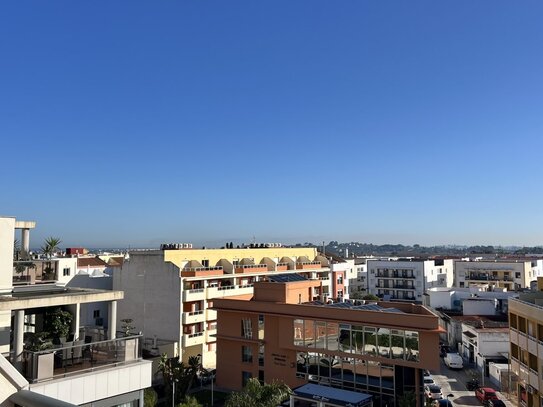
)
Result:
{"points": [[524, 325], [66, 271], [357, 339]]}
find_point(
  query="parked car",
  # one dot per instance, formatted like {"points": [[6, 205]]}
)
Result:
{"points": [[428, 380], [485, 394], [454, 361], [442, 403], [426, 373], [433, 392], [494, 403], [443, 350]]}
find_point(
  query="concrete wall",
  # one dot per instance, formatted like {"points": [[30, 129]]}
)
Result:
{"points": [[152, 295], [11, 381], [479, 306], [7, 236], [87, 310]]}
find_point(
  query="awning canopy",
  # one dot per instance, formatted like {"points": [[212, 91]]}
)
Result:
{"points": [[331, 395]]}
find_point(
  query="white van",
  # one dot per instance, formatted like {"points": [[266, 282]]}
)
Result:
{"points": [[454, 361]]}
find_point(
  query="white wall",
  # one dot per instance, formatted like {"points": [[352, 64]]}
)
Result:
{"points": [[98, 385], [7, 236], [152, 295], [66, 262], [479, 306], [11, 381]]}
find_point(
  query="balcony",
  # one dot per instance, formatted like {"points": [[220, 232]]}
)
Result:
{"points": [[197, 294], [211, 335], [228, 291], [202, 271], [193, 317], [308, 265], [404, 286], [211, 314], [196, 338], [80, 358], [395, 275], [250, 268]]}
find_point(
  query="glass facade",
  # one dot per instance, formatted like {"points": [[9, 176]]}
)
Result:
{"points": [[349, 373], [357, 339]]}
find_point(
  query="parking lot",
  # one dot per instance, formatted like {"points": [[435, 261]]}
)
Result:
{"points": [[454, 382]]}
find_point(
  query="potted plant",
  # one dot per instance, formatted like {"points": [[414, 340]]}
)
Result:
{"points": [[39, 364], [58, 323]]}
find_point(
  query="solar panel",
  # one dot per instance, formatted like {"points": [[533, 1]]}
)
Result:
{"points": [[286, 278]]}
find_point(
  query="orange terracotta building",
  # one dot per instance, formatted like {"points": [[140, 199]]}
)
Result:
{"points": [[280, 333]]}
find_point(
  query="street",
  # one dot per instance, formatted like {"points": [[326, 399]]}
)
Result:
{"points": [[454, 382]]}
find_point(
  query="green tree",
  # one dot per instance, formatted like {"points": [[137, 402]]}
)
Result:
{"points": [[408, 399], [150, 397], [255, 394], [370, 297], [189, 402]]}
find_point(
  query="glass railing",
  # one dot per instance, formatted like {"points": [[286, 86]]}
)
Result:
{"points": [[79, 357]]}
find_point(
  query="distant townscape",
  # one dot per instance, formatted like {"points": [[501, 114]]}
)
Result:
{"points": [[267, 324]]}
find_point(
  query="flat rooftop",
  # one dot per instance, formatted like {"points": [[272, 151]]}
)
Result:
{"points": [[362, 307], [49, 296]]}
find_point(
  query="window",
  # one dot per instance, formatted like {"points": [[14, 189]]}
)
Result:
{"points": [[245, 376], [96, 313], [66, 271], [205, 263], [517, 275], [246, 328], [261, 376], [340, 279], [246, 354]]}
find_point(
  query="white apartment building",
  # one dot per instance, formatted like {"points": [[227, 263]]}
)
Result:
{"points": [[169, 293], [509, 274], [454, 298], [82, 368], [407, 280]]}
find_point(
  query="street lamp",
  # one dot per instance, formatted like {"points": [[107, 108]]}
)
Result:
{"points": [[173, 391]]}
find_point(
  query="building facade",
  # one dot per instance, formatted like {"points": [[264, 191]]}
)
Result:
{"points": [[283, 334], [407, 280], [526, 353], [170, 293], [80, 368], [508, 274]]}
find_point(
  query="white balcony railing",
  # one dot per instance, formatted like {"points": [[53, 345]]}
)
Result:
{"points": [[193, 317]]}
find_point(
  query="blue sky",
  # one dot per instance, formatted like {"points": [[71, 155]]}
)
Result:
{"points": [[132, 123]]}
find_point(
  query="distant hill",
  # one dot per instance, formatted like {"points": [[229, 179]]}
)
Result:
{"points": [[369, 249]]}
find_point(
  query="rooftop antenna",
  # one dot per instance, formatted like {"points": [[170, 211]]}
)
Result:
{"points": [[323, 248], [254, 239]]}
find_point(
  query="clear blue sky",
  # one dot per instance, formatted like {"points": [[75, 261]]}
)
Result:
{"points": [[132, 123]]}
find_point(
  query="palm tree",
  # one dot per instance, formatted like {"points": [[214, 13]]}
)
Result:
{"points": [[176, 371], [255, 394], [51, 246]]}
